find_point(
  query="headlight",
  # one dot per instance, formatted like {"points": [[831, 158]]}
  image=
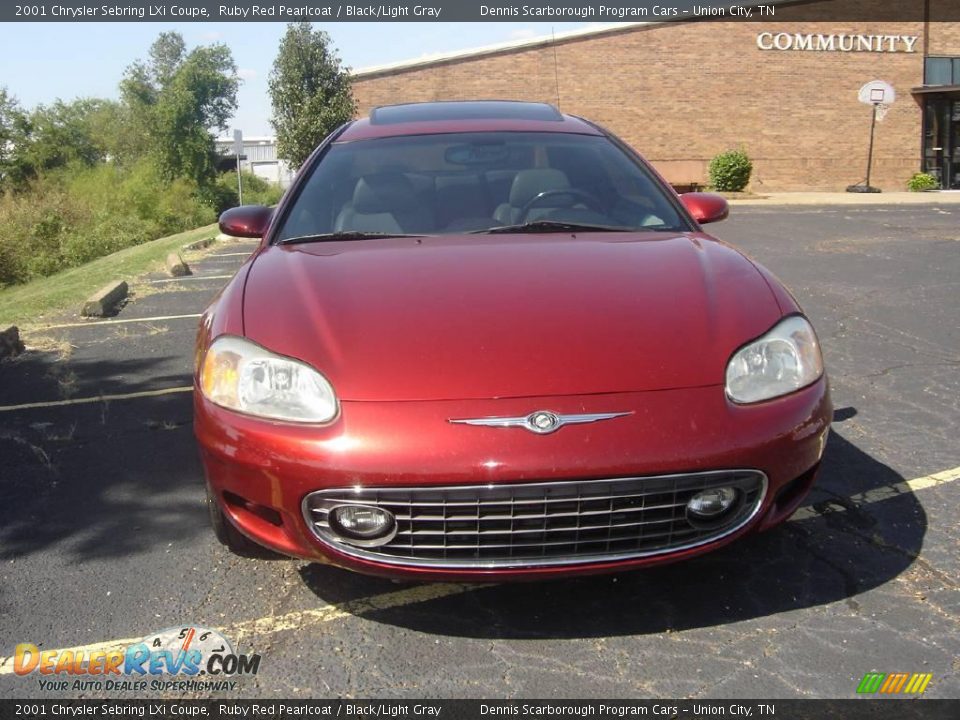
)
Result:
{"points": [[242, 376], [785, 359]]}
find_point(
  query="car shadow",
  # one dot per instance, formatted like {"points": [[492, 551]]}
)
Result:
{"points": [[104, 479], [816, 558]]}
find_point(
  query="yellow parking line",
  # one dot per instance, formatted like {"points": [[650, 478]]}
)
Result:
{"points": [[98, 398], [363, 606], [887, 492], [299, 619], [296, 620], [97, 323]]}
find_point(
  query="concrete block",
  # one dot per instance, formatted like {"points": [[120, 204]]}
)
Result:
{"points": [[176, 266], [10, 343], [104, 302]]}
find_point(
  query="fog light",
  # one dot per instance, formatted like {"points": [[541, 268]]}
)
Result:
{"points": [[708, 504], [363, 525]]}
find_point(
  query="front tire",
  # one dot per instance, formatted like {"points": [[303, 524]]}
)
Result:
{"points": [[231, 538]]}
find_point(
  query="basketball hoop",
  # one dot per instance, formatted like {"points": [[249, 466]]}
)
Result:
{"points": [[880, 96]]}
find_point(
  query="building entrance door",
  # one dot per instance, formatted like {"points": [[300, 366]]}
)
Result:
{"points": [[941, 141]]}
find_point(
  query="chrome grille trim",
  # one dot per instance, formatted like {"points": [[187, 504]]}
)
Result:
{"points": [[528, 516], [543, 524]]}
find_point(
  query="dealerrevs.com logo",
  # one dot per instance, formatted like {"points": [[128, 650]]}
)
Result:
{"points": [[176, 659]]}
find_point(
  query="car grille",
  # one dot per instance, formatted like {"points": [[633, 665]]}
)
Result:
{"points": [[540, 524]]}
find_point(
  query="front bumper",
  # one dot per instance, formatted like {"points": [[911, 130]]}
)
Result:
{"points": [[261, 471]]}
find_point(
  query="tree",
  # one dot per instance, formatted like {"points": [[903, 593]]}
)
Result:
{"points": [[64, 133], [310, 91], [178, 97], [116, 128], [14, 130], [166, 55]]}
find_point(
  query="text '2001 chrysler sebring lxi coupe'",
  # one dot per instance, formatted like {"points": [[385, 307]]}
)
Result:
{"points": [[485, 340]]}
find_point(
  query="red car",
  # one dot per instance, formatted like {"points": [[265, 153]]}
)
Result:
{"points": [[485, 340]]}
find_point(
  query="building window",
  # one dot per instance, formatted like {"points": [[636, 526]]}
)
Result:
{"points": [[942, 71]]}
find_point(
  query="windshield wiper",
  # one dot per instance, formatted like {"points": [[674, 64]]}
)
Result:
{"points": [[342, 235], [549, 226]]}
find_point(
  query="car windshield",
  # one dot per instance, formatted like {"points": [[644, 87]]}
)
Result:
{"points": [[477, 182]]}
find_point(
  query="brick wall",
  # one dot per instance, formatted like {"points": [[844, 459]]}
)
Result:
{"points": [[944, 37], [681, 92]]}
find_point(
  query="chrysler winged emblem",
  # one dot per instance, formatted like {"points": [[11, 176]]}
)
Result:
{"points": [[541, 422]]}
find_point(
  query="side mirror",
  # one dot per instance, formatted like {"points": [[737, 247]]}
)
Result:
{"points": [[249, 221], [706, 207]]}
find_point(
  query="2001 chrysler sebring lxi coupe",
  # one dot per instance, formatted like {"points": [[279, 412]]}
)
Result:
{"points": [[486, 340]]}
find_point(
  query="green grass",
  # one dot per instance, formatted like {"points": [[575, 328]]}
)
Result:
{"points": [[33, 302]]}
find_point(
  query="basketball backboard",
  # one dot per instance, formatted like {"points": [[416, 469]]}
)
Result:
{"points": [[877, 92]]}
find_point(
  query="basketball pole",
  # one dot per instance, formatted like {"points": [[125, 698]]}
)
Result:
{"points": [[873, 127], [865, 186], [879, 95]]}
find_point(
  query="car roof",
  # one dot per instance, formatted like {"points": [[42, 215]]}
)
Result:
{"points": [[428, 118]]}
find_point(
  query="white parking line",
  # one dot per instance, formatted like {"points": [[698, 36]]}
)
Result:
{"points": [[98, 398], [189, 278], [98, 323], [299, 619]]}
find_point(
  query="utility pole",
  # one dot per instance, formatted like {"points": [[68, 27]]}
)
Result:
{"points": [[238, 151]]}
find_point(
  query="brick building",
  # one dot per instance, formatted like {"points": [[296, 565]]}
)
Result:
{"points": [[784, 89]]}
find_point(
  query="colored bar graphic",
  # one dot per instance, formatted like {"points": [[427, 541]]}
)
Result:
{"points": [[898, 685], [894, 683], [925, 679], [871, 682]]}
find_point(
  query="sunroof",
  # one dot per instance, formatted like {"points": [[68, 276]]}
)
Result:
{"points": [[467, 110]]}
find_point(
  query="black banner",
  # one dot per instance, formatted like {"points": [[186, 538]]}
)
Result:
{"points": [[854, 709], [606, 11]]}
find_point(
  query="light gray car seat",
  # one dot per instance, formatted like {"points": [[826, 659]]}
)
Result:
{"points": [[385, 202], [526, 186]]}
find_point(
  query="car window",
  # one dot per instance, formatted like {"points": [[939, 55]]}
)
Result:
{"points": [[464, 182]]}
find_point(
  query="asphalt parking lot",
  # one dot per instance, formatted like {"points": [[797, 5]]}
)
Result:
{"points": [[104, 535]]}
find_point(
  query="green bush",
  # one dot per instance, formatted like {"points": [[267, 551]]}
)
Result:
{"points": [[33, 232], [730, 171], [78, 214], [923, 181], [256, 190]]}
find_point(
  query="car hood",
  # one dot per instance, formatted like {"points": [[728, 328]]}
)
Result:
{"points": [[488, 316]]}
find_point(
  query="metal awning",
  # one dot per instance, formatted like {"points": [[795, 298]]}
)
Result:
{"points": [[938, 89]]}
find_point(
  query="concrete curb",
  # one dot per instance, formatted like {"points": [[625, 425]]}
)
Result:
{"points": [[223, 237], [176, 266], [199, 244], [104, 301], [927, 199]]}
